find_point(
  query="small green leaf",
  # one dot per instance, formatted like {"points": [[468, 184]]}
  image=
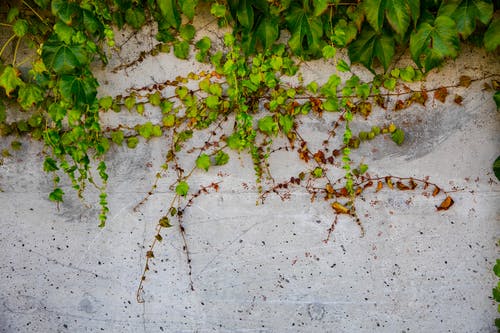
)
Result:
{"points": [[187, 32], [20, 27], [267, 125], [286, 123], [106, 102], [10, 80], [363, 168], [169, 120], [168, 10], [492, 35], [496, 170], [329, 52], [204, 44], [212, 102], [155, 99], [407, 74], [132, 142], [12, 14], [182, 188], [181, 50], [188, 7], [117, 137], [203, 162], [317, 172], [343, 66], [29, 95], [157, 131], [218, 10], [331, 104], [135, 17], [398, 136], [390, 83], [56, 195], [130, 102], [221, 158], [496, 98], [145, 130]]}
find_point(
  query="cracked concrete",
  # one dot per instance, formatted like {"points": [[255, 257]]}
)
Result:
{"points": [[264, 268]]}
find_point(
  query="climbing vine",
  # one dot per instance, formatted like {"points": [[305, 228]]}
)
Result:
{"points": [[52, 94]]}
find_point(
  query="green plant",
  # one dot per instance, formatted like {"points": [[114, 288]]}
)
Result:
{"points": [[247, 88]]}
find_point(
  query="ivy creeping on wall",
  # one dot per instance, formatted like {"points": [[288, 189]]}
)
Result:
{"points": [[49, 91]]}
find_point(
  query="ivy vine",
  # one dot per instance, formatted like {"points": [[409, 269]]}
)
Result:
{"points": [[56, 92]]}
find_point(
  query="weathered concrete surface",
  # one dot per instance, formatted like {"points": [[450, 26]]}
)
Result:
{"points": [[265, 268]]}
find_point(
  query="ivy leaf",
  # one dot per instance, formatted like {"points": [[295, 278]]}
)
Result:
{"points": [[396, 11], [181, 50], [320, 6], [117, 137], [204, 44], [187, 32], [63, 58], [78, 89], [267, 32], [343, 66], [496, 98], [370, 45], [90, 22], [203, 162], [64, 32], [20, 27], [218, 10], [10, 80], [135, 17], [496, 167], [245, 14], [306, 32], [492, 35], [188, 7], [466, 12], [56, 195], [267, 125], [29, 95], [132, 142], [286, 123], [328, 52], [221, 158], [434, 42], [398, 136], [64, 10], [182, 188], [12, 14], [50, 165]]}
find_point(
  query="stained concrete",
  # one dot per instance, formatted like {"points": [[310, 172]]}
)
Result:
{"points": [[264, 268]]}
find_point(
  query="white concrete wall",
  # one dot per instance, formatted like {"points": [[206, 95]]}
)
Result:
{"points": [[264, 268]]}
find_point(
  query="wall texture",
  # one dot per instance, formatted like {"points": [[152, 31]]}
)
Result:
{"points": [[264, 268]]}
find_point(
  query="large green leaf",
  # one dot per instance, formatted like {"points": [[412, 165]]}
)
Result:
{"points": [[397, 12], [80, 90], [168, 10], [466, 12], [9, 79], [434, 43], [65, 10], [135, 17], [306, 30], [29, 95], [492, 35], [267, 32], [245, 14], [63, 58], [370, 45]]}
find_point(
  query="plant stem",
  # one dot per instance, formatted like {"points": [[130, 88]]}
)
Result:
{"points": [[6, 43]]}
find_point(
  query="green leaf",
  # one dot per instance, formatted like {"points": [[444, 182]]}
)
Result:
{"points": [[407, 74], [245, 14], [20, 27], [50, 165], [187, 32], [218, 10], [331, 104], [90, 22], [63, 58], [317, 172], [343, 66], [434, 43], [130, 102], [306, 32], [65, 10], [145, 130], [370, 45], [496, 98], [12, 14], [168, 10], [80, 90], [267, 32], [492, 35], [56, 195], [132, 142], [117, 137], [397, 13], [329, 52], [496, 170], [181, 50], [221, 158], [204, 44], [267, 125], [320, 6], [398, 136], [9, 79], [106, 102], [188, 7], [135, 17], [286, 123], [64, 32], [30, 95], [203, 162], [157, 131], [182, 188], [169, 120], [363, 168], [466, 12]]}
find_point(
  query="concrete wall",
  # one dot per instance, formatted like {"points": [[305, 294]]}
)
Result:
{"points": [[264, 268]]}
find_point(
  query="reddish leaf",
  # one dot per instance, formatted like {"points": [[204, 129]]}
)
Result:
{"points": [[441, 94], [446, 204]]}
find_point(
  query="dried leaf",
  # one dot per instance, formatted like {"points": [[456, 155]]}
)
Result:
{"points": [[402, 186], [329, 188], [446, 204], [413, 184], [339, 208], [458, 99], [388, 180], [150, 254], [441, 94], [159, 237], [379, 186], [319, 157], [465, 81], [436, 191]]}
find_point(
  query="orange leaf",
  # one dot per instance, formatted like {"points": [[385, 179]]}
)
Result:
{"points": [[447, 203], [402, 186], [339, 208], [329, 188], [379, 186], [436, 191], [441, 94]]}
